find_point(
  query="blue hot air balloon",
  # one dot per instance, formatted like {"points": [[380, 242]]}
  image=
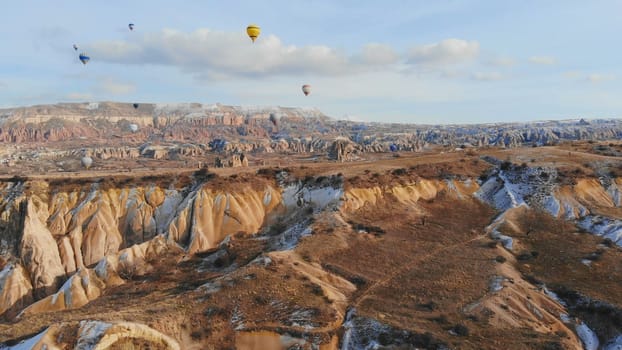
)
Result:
{"points": [[393, 147], [131, 26], [84, 58]]}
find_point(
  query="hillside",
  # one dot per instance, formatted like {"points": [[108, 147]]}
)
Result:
{"points": [[488, 249]]}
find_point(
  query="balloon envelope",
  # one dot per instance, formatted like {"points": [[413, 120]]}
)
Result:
{"points": [[86, 162], [84, 58], [133, 127], [253, 31], [75, 47], [393, 148], [306, 89], [131, 26], [135, 105]]}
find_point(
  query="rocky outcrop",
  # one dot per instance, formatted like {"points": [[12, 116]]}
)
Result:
{"points": [[235, 161], [342, 150], [98, 335], [88, 284], [409, 194], [206, 216], [39, 253], [61, 234], [15, 288]]}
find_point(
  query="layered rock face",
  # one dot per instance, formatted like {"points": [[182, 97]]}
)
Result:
{"points": [[65, 234]]}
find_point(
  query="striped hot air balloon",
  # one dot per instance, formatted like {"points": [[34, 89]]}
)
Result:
{"points": [[306, 89]]}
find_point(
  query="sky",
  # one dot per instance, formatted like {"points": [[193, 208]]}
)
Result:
{"points": [[407, 61]]}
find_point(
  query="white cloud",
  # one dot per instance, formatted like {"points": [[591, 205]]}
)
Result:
{"points": [[116, 88], [547, 60], [573, 74], [378, 54], [219, 55], [501, 62], [592, 78], [79, 96], [225, 53], [446, 51], [598, 78], [487, 76]]}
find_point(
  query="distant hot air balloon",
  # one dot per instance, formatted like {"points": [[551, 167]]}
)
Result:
{"points": [[274, 119], [84, 58], [133, 127], [86, 161], [306, 89], [75, 47], [131, 26], [253, 31], [393, 147], [135, 105]]}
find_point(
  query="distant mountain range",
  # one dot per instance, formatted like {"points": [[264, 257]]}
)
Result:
{"points": [[299, 128]]}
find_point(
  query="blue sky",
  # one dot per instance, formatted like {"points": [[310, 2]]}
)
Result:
{"points": [[418, 61]]}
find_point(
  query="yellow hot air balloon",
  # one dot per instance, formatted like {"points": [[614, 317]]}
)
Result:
{"points": [[253, 31]]}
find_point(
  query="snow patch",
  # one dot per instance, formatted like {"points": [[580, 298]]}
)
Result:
{"points": [[4, 274], [165, 213], [27, 344], [602, 226], [319, 197], [614, 344], [553, 206], [587, 336], [262, 260], [101, 269], [496, 284], [506, 241], [267, 198], [555, 297], [91, 333], [290, 237]]}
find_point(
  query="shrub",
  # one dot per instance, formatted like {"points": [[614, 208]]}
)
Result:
{"points": [[127, 270], [429, 306], [358, 281], [442, 319], [608, 242], [533, 279], [399, 172], [196, 335], [316, 289], [506, 165], [500, 259], [461, 330]]}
